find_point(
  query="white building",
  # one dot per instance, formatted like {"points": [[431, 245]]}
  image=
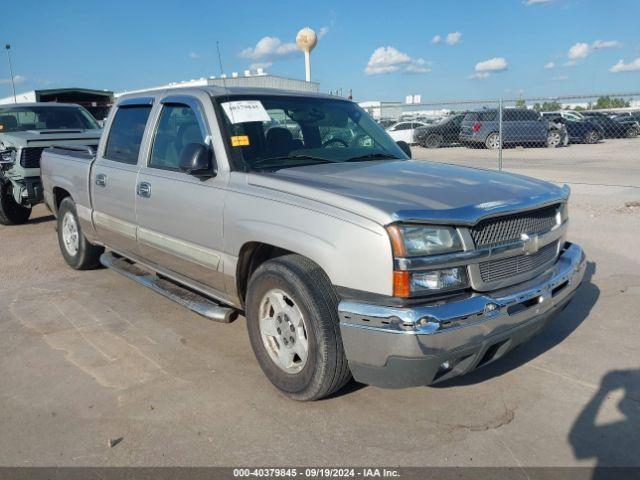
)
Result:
{"points": [[260, 79]]}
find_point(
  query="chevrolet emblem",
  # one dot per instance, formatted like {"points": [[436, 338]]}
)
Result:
{"points": [[530, 244]]}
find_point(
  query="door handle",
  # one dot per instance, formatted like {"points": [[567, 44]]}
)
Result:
{"points": [[143, 189], [101, 180]]}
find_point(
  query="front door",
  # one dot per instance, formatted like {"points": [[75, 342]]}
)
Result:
{"points": [[179, 215]]}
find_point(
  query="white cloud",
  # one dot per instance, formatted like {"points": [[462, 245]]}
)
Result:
{"points": [[17, 79], [537, 2], [581, 50], [436, 40], [496, 64], [549, 66], [633, 66], [600, 44], [479, 75], [322, 32], [453, 38], [390, 59], [194, 55], [269, 49], [257, 65], [578, 51], [560, 78], [487, 67]]}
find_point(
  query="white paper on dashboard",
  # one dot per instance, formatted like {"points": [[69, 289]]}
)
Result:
{"points": [[241, 111]]}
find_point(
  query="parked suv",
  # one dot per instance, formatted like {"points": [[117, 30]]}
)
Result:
{"points": [[25, 131], [519, 127], [445, 132]]}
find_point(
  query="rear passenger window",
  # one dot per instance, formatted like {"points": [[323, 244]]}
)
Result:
{"points": [[125, 135], [178, 127]]}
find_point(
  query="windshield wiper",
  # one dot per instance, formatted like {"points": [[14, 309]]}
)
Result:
{"points": [[263, 161], [372, 156]]}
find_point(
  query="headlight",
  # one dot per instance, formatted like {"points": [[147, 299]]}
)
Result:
{"points": [[439, 280], [416, 240], [7, 157], [563, 212]]}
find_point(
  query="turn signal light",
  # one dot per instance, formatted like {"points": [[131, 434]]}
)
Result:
{"points": [[401, 284]]}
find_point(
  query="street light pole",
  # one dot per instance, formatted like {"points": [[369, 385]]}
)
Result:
{"points": [[13, 85]]}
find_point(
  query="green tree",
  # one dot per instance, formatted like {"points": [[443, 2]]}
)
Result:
{"points": [[547, 107], [579, 108], [611, 102], [520, 103]]}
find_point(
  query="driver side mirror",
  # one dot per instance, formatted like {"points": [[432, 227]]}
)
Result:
{"points": [[404, 146], [197, 159]]}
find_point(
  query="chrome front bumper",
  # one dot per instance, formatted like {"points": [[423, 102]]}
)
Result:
{"points": [[399, 347]]}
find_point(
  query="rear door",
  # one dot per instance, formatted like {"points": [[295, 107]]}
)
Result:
{"points": [[113, 176], [180, 215]]}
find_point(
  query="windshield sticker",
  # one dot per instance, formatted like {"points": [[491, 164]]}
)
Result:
{"points": [[242, 111], [240, 140]]}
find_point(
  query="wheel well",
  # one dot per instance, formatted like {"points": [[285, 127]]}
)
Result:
{"points": [[59, 194], [252, 255]]}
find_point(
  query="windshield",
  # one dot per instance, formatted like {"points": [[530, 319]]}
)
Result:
{"points": [[269, 132], [18, 119]]}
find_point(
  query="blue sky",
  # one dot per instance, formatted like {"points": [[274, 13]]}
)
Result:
{"points": [[382, 50]]}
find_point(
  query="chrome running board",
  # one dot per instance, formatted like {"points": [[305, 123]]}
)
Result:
{"points": [[187, 298]]}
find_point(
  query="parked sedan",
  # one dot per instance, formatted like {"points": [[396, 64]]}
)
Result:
{"points": [[618, 128], [579, 131], [404, 131], [442, 133]]}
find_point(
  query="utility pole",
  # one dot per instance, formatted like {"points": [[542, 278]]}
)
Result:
{"points": [[13, 85]]}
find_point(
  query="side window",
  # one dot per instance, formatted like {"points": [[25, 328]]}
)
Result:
{"points": [[509, 115], [177, 127], [125, 135], [531, 116], [403, 126]]}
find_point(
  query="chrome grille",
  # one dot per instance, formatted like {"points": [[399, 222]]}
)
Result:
{"points": [[30, 157], [496, 231], [495, 270]]}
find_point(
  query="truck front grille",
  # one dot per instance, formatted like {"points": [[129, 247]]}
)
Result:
{"points": [[30, 157], [496, 231], [495, 270]]}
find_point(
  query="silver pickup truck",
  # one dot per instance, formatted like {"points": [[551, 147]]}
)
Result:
{"points": [[346, 257]]}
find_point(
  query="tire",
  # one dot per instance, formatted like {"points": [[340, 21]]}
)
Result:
{"points": [[492, 142], [632, 133], [292, 294], [592, 137], [554, 139], [74, 246], [432, 140], [11, 213]]}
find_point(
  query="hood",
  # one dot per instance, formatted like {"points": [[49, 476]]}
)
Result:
{"points": [[43, 138], [420, 190]]}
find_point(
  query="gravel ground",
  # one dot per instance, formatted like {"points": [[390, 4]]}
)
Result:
{"points": [[86, 357]]}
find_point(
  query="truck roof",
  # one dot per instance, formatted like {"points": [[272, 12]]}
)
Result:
{"points": [[215, 92]]}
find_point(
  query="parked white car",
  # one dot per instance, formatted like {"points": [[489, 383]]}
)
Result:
{"points": [[404, 131]]}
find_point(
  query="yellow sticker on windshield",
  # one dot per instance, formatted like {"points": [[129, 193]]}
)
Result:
{"points": [[240, 140]]}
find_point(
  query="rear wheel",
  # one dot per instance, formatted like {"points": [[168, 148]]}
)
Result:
{"points": [[592, 136], [292, 319], [433, 141], [493, 141], [76, 249], [11, 212], [632, 132]]}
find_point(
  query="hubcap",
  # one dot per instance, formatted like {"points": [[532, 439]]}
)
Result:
{"points": [[283, 331], [70, 235], [554, 139], [494, 141]]}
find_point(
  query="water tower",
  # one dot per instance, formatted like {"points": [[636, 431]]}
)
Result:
{"points": [[306, 40]]}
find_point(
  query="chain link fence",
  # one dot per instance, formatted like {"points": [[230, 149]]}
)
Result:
{"points": [[521, 134]]}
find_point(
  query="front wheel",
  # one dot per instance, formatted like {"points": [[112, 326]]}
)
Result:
{"points": [[292, 319], [76, 249], [554, 139], [11, 212], [433, 141], [632, 133]]}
